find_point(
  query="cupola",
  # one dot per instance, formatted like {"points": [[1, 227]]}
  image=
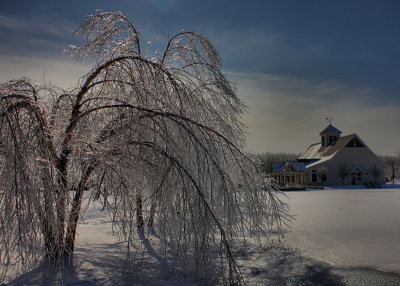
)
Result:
{"points": [[329, 136]]}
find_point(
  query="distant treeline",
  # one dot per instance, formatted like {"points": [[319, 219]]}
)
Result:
{"points": [[392, 166], [266, 159]]}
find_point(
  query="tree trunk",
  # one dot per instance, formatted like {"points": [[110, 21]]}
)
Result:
{"points": [[152, 213], [393, 173], [75, 212], [139, 211], [72, 223]]}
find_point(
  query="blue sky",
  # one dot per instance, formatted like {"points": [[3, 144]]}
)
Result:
{"points": [[295, 62]]}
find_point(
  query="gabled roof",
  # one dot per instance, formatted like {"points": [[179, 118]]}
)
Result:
{"points": [[279, 167], [330, 129], [299, 166], [355, 167], [316, 151], [340, 144], [327, 153]]}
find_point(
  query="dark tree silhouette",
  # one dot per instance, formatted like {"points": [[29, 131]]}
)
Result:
{"points": [[268, 158], [343, 173], [375, 172], [393, 163]]}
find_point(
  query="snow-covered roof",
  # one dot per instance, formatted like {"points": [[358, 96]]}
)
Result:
{"points": [[312, 152], [321, 154], [322, 160], [279, 167], [330, 129], [301, 167], [339, 144], [327, 153], [316, 151]]}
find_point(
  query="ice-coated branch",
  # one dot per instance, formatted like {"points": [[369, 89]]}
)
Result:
{"points": [[155, 134]]}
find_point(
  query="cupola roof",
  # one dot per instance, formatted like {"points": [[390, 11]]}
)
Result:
{"points": [[330, 129]]}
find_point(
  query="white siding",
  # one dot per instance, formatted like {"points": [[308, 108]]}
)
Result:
{"points": [[351, 157]]}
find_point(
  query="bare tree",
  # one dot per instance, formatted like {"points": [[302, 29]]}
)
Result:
{"points": [[268, 158], [393, 164], [375, 171], [343, 173], [155, 133]]}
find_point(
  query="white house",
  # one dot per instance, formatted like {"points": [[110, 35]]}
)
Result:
{"points": [[346, 160]]}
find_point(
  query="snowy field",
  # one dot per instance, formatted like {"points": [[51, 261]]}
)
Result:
{"points": [[348, 227], [339, 237]]}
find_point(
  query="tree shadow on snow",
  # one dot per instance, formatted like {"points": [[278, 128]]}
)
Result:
{"points": [[50, 272], [103, 264], [320, 274], [284, 266]]}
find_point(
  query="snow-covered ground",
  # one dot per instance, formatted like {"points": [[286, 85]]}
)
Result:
{"points": [[348, 227], [336, 237], [100, 260]]}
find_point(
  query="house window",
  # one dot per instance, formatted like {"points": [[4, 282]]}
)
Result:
{"points": [[324, 176], [354, 143], [356, 178], [314, 176]]}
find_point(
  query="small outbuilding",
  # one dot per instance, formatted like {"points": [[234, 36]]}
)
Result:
{"points": [[290, 175]]}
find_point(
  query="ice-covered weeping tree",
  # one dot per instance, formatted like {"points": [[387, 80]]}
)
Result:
{"points": [[155, 134]]}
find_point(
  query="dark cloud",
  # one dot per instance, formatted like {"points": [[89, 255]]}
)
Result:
{"points": [[311, 54]]}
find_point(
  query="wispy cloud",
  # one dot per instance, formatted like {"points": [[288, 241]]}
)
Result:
{"points": [[287, 113], [34, 36], [266, 51], [52, 25], [59, 71]]}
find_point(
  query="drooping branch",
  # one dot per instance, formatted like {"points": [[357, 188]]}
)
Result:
{"points": [[156, 133], [200, 194]]}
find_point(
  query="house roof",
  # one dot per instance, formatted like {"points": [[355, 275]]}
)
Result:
{"points": [[339, 144], [316, 151], [323, 159], [312, 152], [299, 166], [330, 129], [279, 167], [323, 154]]}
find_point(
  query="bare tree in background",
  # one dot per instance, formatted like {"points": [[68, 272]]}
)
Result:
{"points": [[392, 163], [268, 158], [376, 172], [343, 173], [154, 133]]}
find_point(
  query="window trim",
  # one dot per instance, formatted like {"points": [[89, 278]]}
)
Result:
{"points": [[324, 176], [314, 177]]}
